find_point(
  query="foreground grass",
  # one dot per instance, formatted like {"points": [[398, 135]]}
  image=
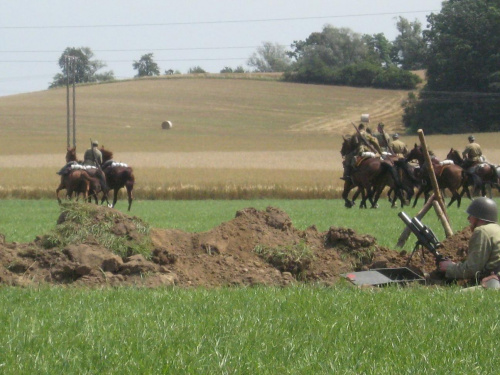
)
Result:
{"points": [[296, 330], [23, 220]]}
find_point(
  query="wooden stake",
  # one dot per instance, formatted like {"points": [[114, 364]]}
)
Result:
{"points": [[432, 174], [444, 221]]}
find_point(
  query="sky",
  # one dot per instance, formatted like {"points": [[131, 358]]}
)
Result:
{"points": [[181, 34]]}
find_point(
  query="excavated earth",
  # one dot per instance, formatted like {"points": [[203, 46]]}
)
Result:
{"points": [[224, 256]]}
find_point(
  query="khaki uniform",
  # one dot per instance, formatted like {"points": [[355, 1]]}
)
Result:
{"points": [[384, 140], [399, 148], [483, 257], [359, 146], [95, 159], [472, 152]]}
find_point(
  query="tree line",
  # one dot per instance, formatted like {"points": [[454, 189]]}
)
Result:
{"points": [[460, 51]]}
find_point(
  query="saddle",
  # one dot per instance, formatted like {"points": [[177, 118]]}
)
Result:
{"points": [[362, 157], [73, 165], [112, 164]]}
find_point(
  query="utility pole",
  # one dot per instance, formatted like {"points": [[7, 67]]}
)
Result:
{"points": [[70, 66], [66, 65]]}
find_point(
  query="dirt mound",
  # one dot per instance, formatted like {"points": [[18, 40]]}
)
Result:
{"points": [[254, 248]]}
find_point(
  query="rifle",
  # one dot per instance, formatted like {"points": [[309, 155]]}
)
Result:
{"points": [[425, 237], [389, 148], [364, 139]]}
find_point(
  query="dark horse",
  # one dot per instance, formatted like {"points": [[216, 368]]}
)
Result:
{"points": [[97, 182], [483, 173], [118, 175], [371, 175], [449, 176]]}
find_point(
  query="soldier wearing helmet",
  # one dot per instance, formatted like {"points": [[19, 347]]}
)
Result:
{"points": [[93, 155], [483, 259], [398, 146], [472, 153]]}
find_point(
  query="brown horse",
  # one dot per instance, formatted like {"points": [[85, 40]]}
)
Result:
{"points": [[484, 174], [449, 176], [370, 176], [77, 181], [97, 183], [118, 176]]}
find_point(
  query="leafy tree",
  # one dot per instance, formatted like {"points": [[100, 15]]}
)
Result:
{"points": [[238, 69], [333, 47], [463, 72], [342, 57], [85, 69], [196, 70], [379, 48], [146, 66], [409, 48], [269, 58]]}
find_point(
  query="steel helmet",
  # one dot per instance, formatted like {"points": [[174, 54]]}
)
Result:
{"points": [[95, 143], [484, 208], [395, 136], [471, 138]]}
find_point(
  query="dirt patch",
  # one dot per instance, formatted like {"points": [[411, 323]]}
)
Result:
{"points": [[228, 255]]}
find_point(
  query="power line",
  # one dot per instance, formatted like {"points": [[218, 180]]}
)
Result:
{"points": [[146, 49], [125, 61], [216, 22]]}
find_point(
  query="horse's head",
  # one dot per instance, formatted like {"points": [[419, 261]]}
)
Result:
{"points": [[106, 154], [454, 155], [346, 146], [70, 154], [415, 153]]}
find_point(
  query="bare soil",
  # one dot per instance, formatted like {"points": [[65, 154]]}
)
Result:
{"points": [[223, 256]]}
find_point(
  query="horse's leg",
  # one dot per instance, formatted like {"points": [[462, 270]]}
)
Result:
{"points": [[59, 188], [345, 193], [419, 192], [115, 196], [130, 186]]}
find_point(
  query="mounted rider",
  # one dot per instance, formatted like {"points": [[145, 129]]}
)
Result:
{"points": [[361, 142], [398, 146], [472, 153], [384, 140], [93, 155]]}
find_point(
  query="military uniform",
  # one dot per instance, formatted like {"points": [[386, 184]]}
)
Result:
{"points": [[399, 147], [384, 141], [483, 257], [472, 152], [92, 156], [358, 146]]}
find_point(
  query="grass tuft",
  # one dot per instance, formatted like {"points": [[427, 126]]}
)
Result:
{"points": [[294, 258], [79, 223]]}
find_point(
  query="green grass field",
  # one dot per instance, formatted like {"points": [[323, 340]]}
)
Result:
{"points": [[296, 330]]}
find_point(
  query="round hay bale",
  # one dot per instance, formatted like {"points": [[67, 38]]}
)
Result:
{"points": [[365, 117], [166, 125]]}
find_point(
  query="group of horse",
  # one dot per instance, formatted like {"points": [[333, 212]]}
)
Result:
{"points": [[373, 174], [90, 182]]}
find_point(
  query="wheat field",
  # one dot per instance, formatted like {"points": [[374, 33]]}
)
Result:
{"points": [[230, 133]]}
